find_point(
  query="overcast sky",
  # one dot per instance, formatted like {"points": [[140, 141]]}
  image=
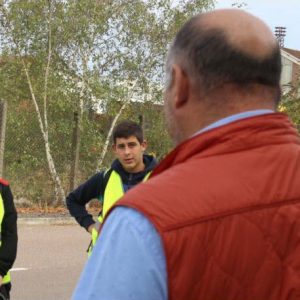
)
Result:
{"points": [[284, 13]]}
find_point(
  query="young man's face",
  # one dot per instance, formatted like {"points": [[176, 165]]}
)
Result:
{"points": [[129, 152]]}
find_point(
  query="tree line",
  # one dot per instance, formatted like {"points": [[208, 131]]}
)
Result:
{"points": [[101, 61]]}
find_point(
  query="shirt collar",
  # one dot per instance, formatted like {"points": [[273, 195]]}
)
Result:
{"points": [[235, 117]]}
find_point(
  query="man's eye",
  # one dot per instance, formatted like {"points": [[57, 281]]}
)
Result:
{"points": [[121, 146], [131, 145]]}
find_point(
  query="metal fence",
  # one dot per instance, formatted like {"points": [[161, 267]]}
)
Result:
{"points": [[23, 150], [23, 157]]}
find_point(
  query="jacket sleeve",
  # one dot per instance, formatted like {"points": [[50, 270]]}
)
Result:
{"points": [[78, 198], [8, 249]]}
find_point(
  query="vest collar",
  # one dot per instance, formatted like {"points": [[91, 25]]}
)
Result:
{"points": [[239, 135]]}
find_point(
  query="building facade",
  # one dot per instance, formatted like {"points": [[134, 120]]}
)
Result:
{"points": [[290, 75]]}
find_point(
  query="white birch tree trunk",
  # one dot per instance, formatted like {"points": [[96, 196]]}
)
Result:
{"points": [[59, 192], [43, 123]]}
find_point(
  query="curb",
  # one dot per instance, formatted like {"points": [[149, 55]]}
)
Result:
{"points": [[47, 221]]}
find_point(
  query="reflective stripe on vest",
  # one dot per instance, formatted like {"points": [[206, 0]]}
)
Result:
{"points": [[6, 278]]}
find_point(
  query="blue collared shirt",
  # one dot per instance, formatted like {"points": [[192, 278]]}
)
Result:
{"points": [[128, 261]]}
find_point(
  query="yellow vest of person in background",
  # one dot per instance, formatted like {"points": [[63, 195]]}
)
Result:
{"points": [[6, 278]]}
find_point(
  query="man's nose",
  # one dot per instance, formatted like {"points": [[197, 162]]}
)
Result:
{"points": [[127, 150]]}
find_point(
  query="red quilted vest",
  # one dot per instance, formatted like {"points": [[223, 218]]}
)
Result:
{"points": [[226, 204]]}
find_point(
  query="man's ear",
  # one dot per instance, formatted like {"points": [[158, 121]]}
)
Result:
{"points": [[144, 145], [181, 86]]}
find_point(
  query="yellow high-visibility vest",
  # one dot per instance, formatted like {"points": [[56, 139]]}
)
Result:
{"points": [[6, 278], [113, 192]]}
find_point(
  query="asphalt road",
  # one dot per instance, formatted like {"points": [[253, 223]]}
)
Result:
{"points": [[49, 262]]}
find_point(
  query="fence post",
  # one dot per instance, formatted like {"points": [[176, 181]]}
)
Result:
{"points": [[75, 151], [3, 110]]}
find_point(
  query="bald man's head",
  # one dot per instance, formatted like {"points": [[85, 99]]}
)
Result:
{"points": [[227, 46], [243, 31]]}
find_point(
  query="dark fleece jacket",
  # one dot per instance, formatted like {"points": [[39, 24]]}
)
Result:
{"points": [[94, 188]]}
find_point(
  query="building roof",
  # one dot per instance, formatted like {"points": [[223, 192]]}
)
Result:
{"points": [[292, 55], [293, 52]]}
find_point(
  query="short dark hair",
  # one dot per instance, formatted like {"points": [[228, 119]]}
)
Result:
{"points": [[127, 128], [210, 58]]}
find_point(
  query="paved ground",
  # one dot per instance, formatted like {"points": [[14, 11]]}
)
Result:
{"points": [[50, 259]]}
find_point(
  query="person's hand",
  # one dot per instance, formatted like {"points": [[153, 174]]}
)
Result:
{"points": [[90, 228], [95, 226]]}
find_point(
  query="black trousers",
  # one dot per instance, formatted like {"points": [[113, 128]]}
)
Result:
{"points": [[4, 291]]}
